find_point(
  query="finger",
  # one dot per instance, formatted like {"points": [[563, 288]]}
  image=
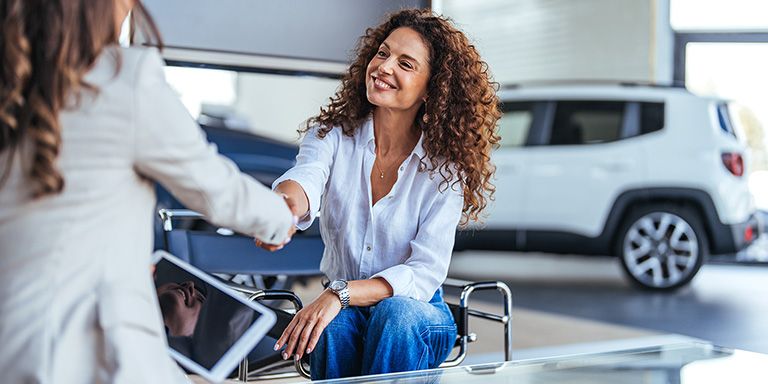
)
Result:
{"points": [[301, 348], [271, 247], [317, 331], [284, 337], [290, 348]]}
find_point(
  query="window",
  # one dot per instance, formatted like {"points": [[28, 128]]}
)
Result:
{"points": [[587, 122], [651, 117], [515, 124], [732, 15], [724, 117], [270, 105]]}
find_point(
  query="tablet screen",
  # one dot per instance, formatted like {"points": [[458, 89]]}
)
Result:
{"points": [[202, 321]]}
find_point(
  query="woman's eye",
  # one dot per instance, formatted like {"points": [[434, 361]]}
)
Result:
{"points": [[381, 54], [406, 65]]}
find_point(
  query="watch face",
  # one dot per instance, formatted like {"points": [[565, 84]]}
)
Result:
{"points": [[338, 285]]}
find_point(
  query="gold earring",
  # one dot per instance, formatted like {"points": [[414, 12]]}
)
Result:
{"points": [[425, 118]]}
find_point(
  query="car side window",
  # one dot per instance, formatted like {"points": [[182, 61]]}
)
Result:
{"points": [[515, 124], [651, 117], [587, 122]]}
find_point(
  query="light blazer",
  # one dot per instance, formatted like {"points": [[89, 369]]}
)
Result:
{"points": [[77, 303]]}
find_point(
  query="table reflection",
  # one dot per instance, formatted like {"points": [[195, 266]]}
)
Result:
{"points": [[679, 363]]}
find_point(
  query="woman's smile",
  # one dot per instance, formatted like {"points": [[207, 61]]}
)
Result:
{"points": [[382, 85]]}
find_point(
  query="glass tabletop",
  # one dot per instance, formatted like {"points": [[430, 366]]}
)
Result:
{"points": [[676, 363]]}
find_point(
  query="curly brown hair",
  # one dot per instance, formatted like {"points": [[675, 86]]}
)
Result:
{"points": [[47, 47], [458, 119]]}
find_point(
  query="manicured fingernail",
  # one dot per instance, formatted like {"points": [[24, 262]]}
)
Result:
{"points": [[309, 350], [296, 357], [277, 346], [285, 355], [287, 241]]}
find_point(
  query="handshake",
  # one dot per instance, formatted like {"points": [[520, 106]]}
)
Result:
{"points": [[294, 196]]}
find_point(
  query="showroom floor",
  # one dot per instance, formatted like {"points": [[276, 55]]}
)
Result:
{"points": [[574, 304], [726, 303]]}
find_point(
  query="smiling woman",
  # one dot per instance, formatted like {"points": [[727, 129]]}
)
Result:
{"points": [[395, 161]]}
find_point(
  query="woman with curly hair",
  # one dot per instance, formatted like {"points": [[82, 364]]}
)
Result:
{"points": [[395, 162]]}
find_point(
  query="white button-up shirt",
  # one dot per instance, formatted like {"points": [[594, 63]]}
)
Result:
{"points": [[406, 237]]}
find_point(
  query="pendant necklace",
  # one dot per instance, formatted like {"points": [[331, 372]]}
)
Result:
{"points": [[381, 172]]}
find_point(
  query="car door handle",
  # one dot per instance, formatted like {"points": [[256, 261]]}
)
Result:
{"points": [[615, 166]]}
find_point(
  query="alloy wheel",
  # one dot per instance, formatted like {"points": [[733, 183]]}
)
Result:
{"points": [[660, 250]]}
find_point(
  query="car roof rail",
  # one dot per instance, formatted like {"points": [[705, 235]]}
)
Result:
{"points": [[623, 83]]}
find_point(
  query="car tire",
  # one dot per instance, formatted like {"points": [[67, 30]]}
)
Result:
{"points": [[662, 246]]}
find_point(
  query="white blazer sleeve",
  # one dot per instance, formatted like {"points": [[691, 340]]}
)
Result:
{"points": [[172, 149]]}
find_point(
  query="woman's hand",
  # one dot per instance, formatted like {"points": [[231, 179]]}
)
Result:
{"points": [[274, 247], [304, 330]]}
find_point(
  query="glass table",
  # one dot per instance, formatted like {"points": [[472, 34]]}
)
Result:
{"points": [[668, 364]]}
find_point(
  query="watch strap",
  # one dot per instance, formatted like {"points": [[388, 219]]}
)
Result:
{"points": [[343, 295]]}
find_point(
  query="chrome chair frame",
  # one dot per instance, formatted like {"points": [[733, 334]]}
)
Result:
{"points": [[461, 311]]}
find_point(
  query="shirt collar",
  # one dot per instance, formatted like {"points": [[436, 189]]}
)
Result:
{"points": [[367, 139]]}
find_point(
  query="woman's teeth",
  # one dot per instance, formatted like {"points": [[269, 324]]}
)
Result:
{"points": [[382, 84]]}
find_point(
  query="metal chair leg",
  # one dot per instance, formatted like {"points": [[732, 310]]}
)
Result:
{"points": [[467, 288]]}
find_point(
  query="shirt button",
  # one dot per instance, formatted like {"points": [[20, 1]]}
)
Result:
{"points": [[363, 276], [368, 248], [401, 168]]}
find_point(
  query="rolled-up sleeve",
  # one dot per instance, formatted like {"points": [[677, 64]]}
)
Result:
{"points": [[427, 267], [172, 149], [312, 169]]}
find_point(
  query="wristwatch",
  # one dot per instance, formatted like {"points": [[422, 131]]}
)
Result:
{"points": [[341, 289]]}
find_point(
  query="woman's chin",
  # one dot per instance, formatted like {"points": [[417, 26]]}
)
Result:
{"points": [[378, 101]]}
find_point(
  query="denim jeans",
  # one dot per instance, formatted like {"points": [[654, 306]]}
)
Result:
{"points": [[397, 334]]}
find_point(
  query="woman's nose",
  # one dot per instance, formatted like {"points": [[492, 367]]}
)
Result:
{"points": [[386, 67]]}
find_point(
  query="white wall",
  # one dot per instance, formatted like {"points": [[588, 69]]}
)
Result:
{"points": [[546, 40]]}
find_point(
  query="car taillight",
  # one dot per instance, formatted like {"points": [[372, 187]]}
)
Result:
{"points": [[749, 234], [734, 163]]}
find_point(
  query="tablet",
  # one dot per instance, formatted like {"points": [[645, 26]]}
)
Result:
{"points": [[210, 327]]}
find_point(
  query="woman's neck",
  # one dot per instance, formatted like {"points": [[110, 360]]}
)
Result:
{"points": [[394, 131]]}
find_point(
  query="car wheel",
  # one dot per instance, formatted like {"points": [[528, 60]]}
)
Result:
{"points": [[662, 247]]}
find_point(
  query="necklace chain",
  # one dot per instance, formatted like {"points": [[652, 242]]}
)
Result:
{"points": [[387, 168]]}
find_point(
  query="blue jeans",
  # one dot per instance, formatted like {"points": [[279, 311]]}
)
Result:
{"points": [[397, 334]]}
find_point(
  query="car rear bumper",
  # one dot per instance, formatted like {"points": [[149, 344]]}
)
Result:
{"points": [[741, 235]]}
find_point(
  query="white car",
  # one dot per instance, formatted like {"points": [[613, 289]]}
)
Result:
{"points": [[654, 175]]}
